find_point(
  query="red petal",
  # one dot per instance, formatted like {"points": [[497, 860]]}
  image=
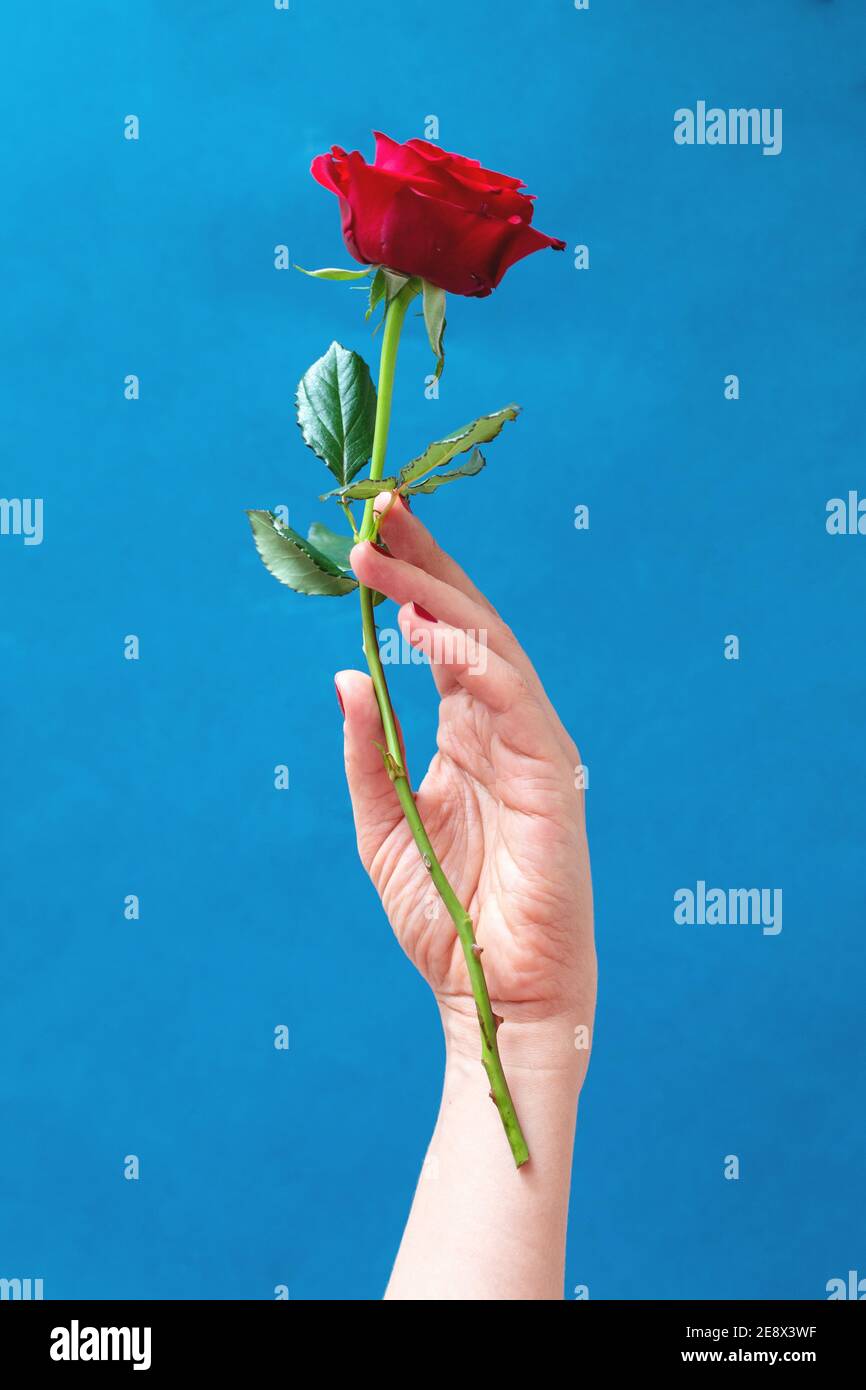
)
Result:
{"points": [[323, 171], [459, 181], [471, 169], [421, 211]]}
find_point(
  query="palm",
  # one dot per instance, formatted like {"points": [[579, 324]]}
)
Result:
{"points": [[508, 830]]}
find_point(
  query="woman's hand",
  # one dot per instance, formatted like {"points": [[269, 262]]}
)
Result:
{"points": [[506, 821], [499, 802]]}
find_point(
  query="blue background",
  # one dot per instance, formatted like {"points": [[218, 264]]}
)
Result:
{"points": [[155, 777]]}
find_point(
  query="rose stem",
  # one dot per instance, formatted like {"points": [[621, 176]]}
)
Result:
{"points": [[393, 756]]}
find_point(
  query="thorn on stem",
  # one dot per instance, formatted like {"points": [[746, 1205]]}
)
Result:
{"points": [[476, 949], [394, 769], [498, 1021]]}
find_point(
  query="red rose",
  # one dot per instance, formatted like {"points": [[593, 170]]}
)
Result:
{"points": [[421, 211]]}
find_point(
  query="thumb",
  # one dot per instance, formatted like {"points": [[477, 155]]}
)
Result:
{"points": [[374, 801]]}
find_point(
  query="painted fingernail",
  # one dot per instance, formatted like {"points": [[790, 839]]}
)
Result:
{"points": [[340, 700], [407, 502], [383, 550], [422, 613]]}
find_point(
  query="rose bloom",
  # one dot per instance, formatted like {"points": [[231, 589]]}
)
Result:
{"points": [[419, 210]]}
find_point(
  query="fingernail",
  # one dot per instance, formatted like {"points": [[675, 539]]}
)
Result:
{"points": [[383, 550], [422, 613], [407, 502], [340, 700]]}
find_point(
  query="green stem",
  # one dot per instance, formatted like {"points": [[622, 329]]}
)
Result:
{"points": [[394, 316], [393, 757]]}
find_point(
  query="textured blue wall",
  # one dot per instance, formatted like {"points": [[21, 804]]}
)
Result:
{"points": [[155, 777]]}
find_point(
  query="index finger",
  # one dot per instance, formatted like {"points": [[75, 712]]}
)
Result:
{"points": [[409, 539]]}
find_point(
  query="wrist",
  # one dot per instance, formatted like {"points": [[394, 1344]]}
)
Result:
{"points": [[545, 1073], [554, 1050], [491, 1230]]}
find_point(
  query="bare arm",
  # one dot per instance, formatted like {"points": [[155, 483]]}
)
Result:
{"points": [[480, 1228]]}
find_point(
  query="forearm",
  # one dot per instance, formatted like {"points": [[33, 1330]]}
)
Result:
{"points": [[480, 1229]]}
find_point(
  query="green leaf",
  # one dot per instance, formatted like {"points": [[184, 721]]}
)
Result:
{"points": [[474, 465], [365, 488], [294, 561], [333, 544], [331, 274], [337, 546], [481, 431], [393, 283], [337, 411], [361, 490], [378, 290], [434, 318]]}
